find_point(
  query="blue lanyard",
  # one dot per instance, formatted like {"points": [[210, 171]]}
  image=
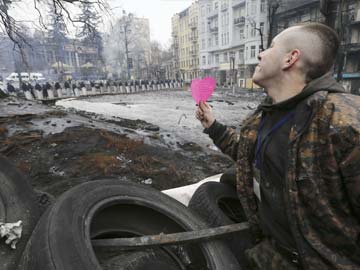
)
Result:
{"points": [[275, 127]]}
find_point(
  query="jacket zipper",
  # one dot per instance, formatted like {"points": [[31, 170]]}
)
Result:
{"points": [[288, 205]]}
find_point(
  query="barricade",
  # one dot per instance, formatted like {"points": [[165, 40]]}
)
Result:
{"points": [[59, 93], [77, 92], [69, 92], [50, 93], [28, 95]]}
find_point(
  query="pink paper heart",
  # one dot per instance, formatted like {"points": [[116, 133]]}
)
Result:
{"points": [[201, 90]]}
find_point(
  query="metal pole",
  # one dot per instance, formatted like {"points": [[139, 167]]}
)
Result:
{"points": [[232, 75], [162, 239], [127, 50]]}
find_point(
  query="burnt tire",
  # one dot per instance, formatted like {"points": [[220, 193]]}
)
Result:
{"points": [[17, 202], [218, 205], [113, 209], [142, 260], [229, 176]]}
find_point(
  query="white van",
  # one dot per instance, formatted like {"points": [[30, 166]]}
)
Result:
{"points": [[38, 77], [25, 77]]}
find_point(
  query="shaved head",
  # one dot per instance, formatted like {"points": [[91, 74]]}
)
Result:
{"points": [[318, 45]]}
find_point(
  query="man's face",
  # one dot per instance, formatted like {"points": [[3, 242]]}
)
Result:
{"points": [[270, 62]]}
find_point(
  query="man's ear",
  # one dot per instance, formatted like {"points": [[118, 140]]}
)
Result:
{"points": [[291, 58]]}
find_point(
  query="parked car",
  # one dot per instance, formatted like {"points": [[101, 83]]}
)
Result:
{"points": [[26, 77]]}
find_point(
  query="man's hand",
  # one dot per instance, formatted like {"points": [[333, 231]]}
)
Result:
{"points": [[204, 114]]}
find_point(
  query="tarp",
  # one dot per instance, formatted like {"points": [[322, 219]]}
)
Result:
{"points": [[60, 65], [87, 65]]}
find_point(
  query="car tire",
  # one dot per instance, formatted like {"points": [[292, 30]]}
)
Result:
{"points": [[17, 202], [218, 205], [111, 208], [229, 176], [142, 260]]}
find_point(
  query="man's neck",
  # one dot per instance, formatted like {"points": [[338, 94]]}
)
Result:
{"points": [[284, 91]]}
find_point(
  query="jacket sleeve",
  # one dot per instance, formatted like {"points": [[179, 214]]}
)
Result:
{"points": [[224, 138], [350, 167]]}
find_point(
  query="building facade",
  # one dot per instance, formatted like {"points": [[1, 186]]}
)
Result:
{"points": [[55, 60], [185, 42], [231, 34], [345, 19], [351, 72]]}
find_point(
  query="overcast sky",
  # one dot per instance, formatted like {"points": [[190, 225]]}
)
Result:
{"points": [[159, 13]]}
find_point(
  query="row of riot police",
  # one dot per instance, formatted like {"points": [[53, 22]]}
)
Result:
{"points": [[84, 88]]}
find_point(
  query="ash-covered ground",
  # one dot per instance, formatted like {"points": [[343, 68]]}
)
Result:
{"points": [[151, 138]]}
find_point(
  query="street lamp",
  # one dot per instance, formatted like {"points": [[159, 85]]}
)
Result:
{"points": [[232, 70], [126, 24]]}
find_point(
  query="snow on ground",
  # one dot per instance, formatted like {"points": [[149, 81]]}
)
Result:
{"points": [[172, 111]]}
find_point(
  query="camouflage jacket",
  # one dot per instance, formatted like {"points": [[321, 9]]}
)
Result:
{"points": [[322, 187]]}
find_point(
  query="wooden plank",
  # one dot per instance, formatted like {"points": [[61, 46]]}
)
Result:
{"points": [[170, 239]]}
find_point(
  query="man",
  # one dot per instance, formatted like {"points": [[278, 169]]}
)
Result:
{"points": [[11, 89], [298, 157]]}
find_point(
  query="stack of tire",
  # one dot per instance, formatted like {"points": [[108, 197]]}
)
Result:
{"points": [[18, 201], [217, 203], [113, 208]]}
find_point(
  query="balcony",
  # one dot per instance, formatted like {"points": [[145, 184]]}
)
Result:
{"points": [[239, 21], [212, 13], [214, 29], [351, 75], [354, 17], [224, 7], [352, 47], [192, 25], [236, 3], [193, 39]]}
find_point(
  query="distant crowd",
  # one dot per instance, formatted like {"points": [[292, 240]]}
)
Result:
{"points": [[51, 90]]}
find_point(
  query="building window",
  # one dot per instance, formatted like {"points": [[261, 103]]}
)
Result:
{"points": [[241, 54], [216, 37], [262, 6], [253, 32], [252, 52], [253, 7], [203, 44], [209, 59], [216, 5], [209, 42], [216, 58], [262, 27], [204, 60], [247, 53], [242, 33], [226, 57]]}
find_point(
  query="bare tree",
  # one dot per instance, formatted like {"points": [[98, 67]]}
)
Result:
{"points": [[10, 26]]}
